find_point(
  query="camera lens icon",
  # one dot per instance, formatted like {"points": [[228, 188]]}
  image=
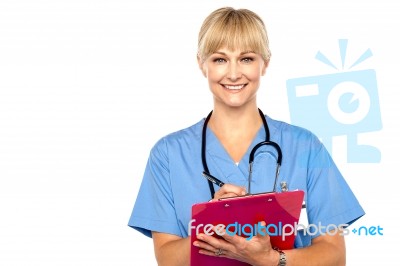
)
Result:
{"points": [[348, 103], [335, 104], [338, 104]]}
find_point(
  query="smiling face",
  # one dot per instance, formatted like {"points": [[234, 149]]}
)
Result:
{"points": [[233, 76], [233, 54]]}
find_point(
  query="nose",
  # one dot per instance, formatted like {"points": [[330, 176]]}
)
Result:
{"points": [[234, 72]]}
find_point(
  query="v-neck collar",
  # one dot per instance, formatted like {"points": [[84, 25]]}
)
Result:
{"points": [[220, 161]]}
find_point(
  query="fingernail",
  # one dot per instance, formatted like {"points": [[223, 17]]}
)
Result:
{"points": [[195, 243]]}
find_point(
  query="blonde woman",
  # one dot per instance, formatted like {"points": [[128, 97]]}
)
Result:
{"points": [[233, 55]]}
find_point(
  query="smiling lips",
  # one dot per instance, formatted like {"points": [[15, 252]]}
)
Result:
{"points": [[234, 87]]}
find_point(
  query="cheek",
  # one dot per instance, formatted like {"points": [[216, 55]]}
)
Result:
{"points": [[254, 74], [215, 74]]}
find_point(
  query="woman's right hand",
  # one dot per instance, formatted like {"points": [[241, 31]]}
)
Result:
{"points": [[229, 190]]}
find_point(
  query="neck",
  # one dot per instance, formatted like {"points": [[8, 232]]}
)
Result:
{"points": [[239, 120], [235, 129]]}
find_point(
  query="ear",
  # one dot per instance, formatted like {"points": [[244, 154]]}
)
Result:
{"points": [[201, 66], [264, 67]]}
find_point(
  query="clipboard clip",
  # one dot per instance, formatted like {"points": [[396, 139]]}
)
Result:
{"points": [[284, 186]]}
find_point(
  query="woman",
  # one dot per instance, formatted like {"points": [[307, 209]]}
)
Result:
{"points": [[233, 55]]}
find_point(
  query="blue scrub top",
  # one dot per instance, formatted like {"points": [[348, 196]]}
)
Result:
{"points": [[173, 179]]}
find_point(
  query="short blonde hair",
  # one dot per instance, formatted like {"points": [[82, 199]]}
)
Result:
{"points": [[235, 29]]}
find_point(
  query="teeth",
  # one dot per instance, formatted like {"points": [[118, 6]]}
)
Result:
{"points": [[236, 87]]}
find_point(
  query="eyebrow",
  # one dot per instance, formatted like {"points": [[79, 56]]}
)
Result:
{"points": [[242, 53]]}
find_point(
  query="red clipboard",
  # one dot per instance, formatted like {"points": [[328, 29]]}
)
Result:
{"points": [[278, 210]]}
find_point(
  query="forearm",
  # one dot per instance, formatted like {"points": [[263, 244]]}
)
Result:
{"points": [[321, 253], [174, 253]]}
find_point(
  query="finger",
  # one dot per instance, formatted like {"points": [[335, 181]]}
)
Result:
{"points": [[262, 233], [229, 236], [204, 246], [231, 190], [227, 195], [209, 250], [223, 253], [222, 196], [262, 230], [214, 242]]}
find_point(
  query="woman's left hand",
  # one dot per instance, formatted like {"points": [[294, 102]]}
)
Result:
{"points": [[254, 250]]}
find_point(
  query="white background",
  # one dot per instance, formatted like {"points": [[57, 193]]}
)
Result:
{"points": [[87, 88]]}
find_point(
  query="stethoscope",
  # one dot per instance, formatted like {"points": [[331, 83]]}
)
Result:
{"points": [[211, 179]]}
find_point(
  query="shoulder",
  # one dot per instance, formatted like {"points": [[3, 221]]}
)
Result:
{"points": [[288, 131], [182, 138], [297, 142]]}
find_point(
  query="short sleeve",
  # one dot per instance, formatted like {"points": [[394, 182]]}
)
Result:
{"points": [[330, 201], [154, 208]]}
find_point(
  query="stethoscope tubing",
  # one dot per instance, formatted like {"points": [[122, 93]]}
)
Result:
{"points": [[267, 142]]}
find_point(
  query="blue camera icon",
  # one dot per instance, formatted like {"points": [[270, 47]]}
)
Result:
{"points": [[345, 103]]}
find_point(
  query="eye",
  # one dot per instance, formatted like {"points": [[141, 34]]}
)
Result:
{"points": [[247, 60], [219, 60]]}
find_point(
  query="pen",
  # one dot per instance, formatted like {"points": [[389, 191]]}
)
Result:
{"points": [[213, 179]]}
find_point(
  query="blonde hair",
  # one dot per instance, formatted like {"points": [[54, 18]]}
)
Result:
{"points": [[235, 29]]}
